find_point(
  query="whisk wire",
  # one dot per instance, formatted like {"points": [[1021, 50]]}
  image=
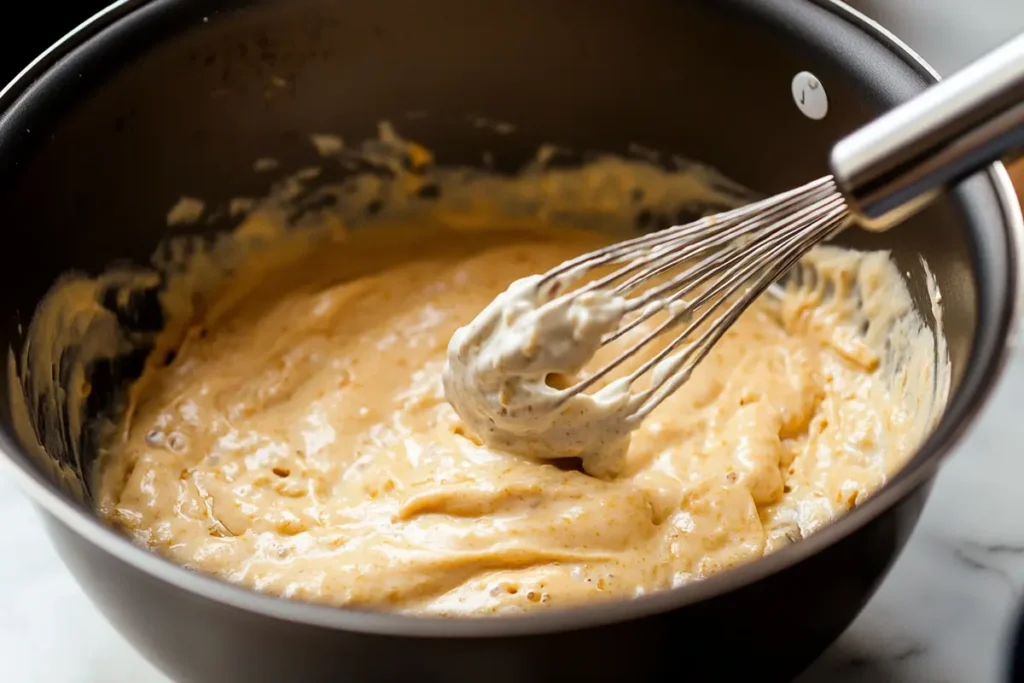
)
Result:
{"points": [[680, 368], [753, 245]]}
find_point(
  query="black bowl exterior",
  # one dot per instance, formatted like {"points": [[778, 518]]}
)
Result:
{"points": [[169, 97], [1016, 651]]}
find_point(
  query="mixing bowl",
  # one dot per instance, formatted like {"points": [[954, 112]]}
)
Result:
{"points": [[149, 101]]}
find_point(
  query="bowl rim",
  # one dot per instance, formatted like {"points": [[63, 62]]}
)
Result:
{"points": [[917, 471]]}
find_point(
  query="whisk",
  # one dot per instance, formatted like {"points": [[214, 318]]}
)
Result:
{"points": [[703, 275]]}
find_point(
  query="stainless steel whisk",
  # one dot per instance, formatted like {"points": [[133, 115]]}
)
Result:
{"points": [[881, 174]]}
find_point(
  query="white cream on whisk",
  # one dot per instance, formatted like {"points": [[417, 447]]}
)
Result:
{"points": [[503, 369]]}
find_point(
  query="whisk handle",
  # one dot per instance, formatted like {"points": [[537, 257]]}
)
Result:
{"points": [[895, 164]]}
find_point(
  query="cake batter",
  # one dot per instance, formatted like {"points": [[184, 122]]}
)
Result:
{"points": [[290, 433], [299, 441]]}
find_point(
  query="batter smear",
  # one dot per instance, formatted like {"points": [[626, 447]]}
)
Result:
{"points": [[299, 441]]}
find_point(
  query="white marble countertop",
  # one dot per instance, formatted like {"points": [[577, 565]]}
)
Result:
{"points": [[942, 616]]}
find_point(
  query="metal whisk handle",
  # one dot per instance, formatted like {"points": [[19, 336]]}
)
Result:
{"points": [[895, 164]]}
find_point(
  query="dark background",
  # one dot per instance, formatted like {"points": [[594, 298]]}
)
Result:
{"points": [[39, 25]]}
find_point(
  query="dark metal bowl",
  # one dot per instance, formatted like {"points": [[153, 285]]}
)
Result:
{"points": [[106, 130]]}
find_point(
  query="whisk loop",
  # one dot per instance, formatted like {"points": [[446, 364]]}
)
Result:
{"points": [[704, 273]]}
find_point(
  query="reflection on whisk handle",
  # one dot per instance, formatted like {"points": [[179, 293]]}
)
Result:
{"points": [[895, 164]]}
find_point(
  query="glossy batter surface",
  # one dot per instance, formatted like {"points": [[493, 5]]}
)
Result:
{"points": [[301, 443]]}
